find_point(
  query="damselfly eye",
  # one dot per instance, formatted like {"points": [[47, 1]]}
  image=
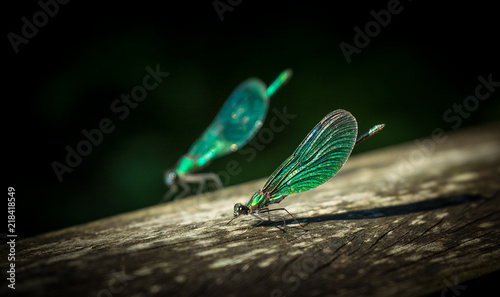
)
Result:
{"points": [[170, 177]]}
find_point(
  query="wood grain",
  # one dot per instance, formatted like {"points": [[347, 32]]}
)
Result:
{"points": [[408, 220]]}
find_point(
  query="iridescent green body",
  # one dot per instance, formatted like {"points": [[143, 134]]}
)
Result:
{"points": [[239, 119], [315, 161], [374, 130], [236, 123]]}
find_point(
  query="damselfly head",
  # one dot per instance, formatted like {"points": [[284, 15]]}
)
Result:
{"points": [[170, 177], [240, 209]]}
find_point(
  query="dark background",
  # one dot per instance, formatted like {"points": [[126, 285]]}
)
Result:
{"points": [[64, 79]]}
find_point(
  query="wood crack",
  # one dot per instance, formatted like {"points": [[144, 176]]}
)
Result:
{"points": [[436, 228]]}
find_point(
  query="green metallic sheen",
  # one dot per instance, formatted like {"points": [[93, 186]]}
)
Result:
{"points": [[258, 200], [278, 82], [315, 161], [374, 130], [184, 165], [236, 123]]}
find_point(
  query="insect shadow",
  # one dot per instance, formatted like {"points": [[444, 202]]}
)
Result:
{"points": [[387, 211]]}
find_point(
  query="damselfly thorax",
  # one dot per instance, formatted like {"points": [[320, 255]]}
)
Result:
{"points": [[236, 123]]}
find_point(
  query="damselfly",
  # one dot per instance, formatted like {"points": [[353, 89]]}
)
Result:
{"points": [[315, 161], [237, 122]]}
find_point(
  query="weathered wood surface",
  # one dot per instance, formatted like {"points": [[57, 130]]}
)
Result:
{"points": [[400, 221]]}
